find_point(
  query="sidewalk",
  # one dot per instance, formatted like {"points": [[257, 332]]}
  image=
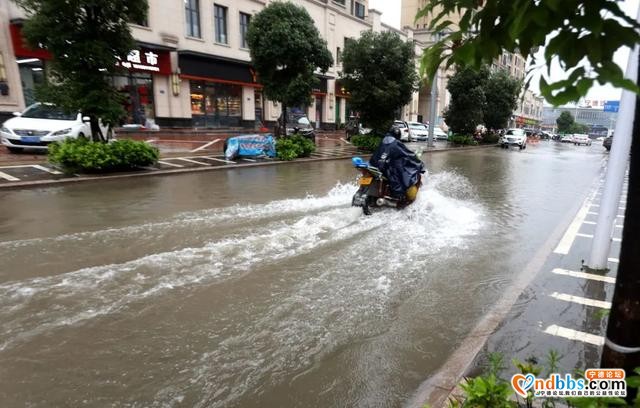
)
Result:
{"points": [[555, 305], [28, 170]]}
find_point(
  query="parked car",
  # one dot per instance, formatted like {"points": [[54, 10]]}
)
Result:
{"points": [[440, 134], [405, 136], [42, 124], [607, 142], [297, 121], [566, 139], [418, 131], [514, 137], [581, 139]]}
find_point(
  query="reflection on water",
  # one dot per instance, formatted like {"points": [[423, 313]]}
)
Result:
{"points": [[215, 290]]}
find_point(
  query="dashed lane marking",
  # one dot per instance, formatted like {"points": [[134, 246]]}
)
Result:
{"points": [[169, 164], [583, 275], [219, 160], [8, 177], [581, 300], [46, 169], [571, 334], [197, 149], [191, 161]]}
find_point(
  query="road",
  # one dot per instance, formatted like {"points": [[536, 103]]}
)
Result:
{"points": [[259, 287]]}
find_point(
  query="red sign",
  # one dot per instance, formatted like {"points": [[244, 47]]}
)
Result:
{"points": [[22, 49]]}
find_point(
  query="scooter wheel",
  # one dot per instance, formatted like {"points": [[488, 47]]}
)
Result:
{"points": [[366, 210]]}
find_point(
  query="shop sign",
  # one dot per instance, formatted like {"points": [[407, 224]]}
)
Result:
{"points": [[146, 61]]}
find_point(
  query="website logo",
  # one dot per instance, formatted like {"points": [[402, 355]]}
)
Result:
{"points": [[597, 382]]}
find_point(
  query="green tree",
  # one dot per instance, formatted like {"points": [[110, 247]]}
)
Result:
{"points": [[466, 107], [379, 71], [565, 122], [594, 29], [501, 94], [286, 50], [85, 38]]}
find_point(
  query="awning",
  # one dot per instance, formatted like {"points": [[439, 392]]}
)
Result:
{"points": [[194, 65]]}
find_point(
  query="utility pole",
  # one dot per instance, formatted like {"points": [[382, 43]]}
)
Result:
{"points": [[622, 344], [432, 110]]}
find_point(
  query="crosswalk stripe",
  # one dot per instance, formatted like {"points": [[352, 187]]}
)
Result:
{"points": [[571, 334], [581, 300], [583, 275]]}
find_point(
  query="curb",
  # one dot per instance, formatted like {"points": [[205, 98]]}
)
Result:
{"points": [[80, 179]]}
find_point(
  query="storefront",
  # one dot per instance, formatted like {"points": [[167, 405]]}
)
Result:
{"points": [[217, 87], [32, 63], [135, 82]]}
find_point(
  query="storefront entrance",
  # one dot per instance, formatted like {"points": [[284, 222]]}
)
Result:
{"points": [[216, 105], [137, 90]]}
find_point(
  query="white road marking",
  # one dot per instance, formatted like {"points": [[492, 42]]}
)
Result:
{"points": [[584, 275], [249, 160], [614, 260], [346, 141], [618, 226], [571, 334], [205, 146], [220, 160], [590, 222], [591, 236], [8, 177], [595, 205], [581, 300], [592, 213], [169, 164], [191, 161], [48, 170], [570, 234]]}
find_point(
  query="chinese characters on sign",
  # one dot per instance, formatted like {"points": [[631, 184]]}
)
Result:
{"points": [[144, 61]]}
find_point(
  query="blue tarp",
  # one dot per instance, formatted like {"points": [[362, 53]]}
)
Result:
{"points": [[250, 146]]}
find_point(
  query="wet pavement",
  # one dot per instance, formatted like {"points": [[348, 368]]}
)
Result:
{"points": [[261, 286]]}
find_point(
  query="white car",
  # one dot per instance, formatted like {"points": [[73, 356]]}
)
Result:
{"points": [[42, 124], [514, 137], [581, 139], [439, 134], [418, 131]]}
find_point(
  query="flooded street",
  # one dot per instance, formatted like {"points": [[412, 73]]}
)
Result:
{"points": [[262, 287]]}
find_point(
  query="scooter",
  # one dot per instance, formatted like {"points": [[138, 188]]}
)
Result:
{"points": [[374, 191]]}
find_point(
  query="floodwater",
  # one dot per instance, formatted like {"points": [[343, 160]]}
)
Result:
{"points": [[262, 287]]}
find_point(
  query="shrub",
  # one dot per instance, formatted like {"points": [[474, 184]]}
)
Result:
{"points": [[462, 140], [366, 142], [490, 138], [81, 155], [289, 148]]}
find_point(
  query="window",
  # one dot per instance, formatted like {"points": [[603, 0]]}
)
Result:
{"points": [[220, 22], [192, 14], [144, 21], [338, 55], [3, 71], [342, 2], [244, 27], [359, 10]]}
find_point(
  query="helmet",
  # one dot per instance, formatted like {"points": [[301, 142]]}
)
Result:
{"points": [[395, 132]]}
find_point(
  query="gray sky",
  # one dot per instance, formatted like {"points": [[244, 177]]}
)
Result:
{"points": [[391, 15]]}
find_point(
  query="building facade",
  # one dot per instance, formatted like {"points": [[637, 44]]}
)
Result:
{"points": [[192, 66], [529, 110], [599, 121]]}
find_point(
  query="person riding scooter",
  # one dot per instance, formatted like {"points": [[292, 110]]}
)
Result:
{"points": [[399, 165]]}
